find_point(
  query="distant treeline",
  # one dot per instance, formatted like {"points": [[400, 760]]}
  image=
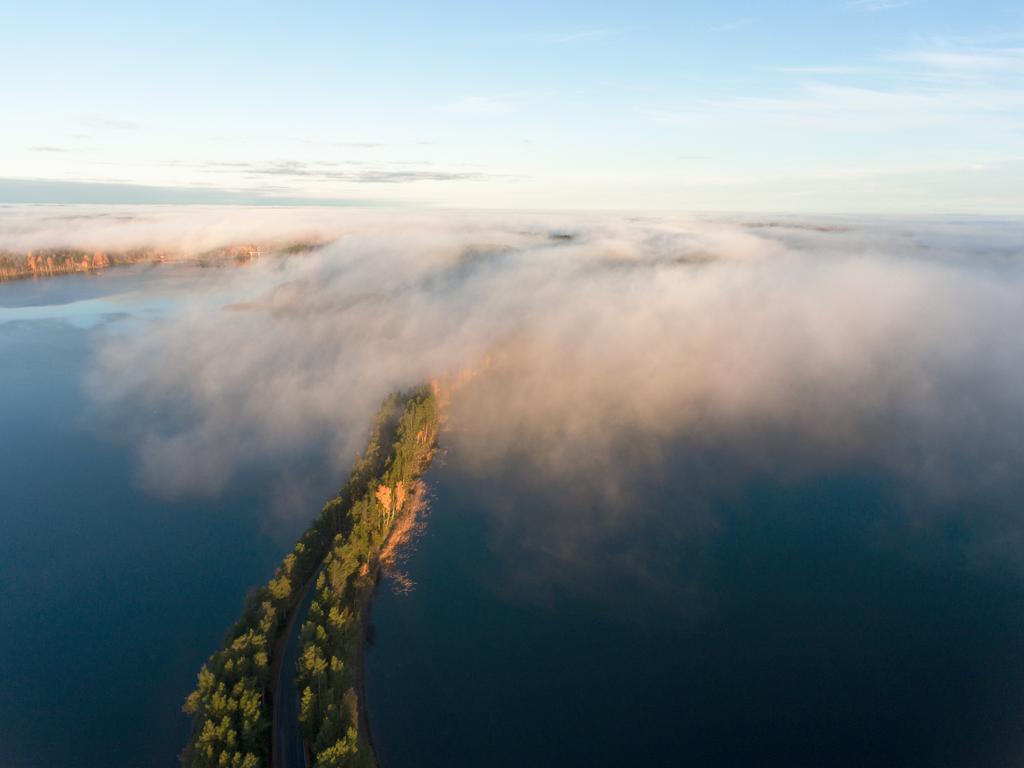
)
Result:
{"points": [[64, 261], [230, 708]]}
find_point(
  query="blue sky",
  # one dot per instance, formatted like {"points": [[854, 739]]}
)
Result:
{"points": [[897, 106]]}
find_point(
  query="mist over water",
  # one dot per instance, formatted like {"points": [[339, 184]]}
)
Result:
{"points": [[592, 342], [801, 625], [733, 490], [112, 597]]}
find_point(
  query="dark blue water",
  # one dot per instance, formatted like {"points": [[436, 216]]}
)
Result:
{"points": [[110, 598], [799, 623], [762, 621]]}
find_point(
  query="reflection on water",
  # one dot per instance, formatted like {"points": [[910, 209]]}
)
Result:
{"points": [[111, 599], [805, 622]]}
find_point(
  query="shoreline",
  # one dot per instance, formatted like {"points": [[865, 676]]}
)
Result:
{"points": [[334, 719], [366, 624], [51, 263], [403, 528]]}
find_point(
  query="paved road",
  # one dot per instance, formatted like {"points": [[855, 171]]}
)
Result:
{"points": [[289, 751]]}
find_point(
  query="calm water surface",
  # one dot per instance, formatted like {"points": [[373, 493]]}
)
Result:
{"points": [[775, 623], [806, 626], [111, 598]]}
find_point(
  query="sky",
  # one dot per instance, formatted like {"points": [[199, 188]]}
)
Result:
{"points": [[833, 106]]}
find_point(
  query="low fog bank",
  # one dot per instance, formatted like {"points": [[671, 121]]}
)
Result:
{"points": [[599, 344], [189, 230]]}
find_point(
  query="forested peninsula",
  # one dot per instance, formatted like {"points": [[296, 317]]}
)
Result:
{"points": [[340, 557]]}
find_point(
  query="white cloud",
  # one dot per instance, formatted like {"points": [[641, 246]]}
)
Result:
{"points": [[821, 70], [993, 61], [879, 5], [561, 38], [734, 24], [946, 85], [484, 105], [790, 344]]}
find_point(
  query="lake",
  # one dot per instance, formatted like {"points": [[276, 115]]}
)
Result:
{"points": [[755, 618], [111, 597], [795, 622]]}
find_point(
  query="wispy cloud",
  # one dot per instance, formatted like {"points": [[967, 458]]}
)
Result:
{"points": [[330, 171], [670, 116], [814, 69], [396, 177], [484, 105], [962, 83], [48, 149], [106, 122], [1009, 60], [878, 5], [111, 192], [734, 24], [576, 36], [872, 109]]}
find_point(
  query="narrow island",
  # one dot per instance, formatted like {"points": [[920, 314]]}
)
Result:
{"points": [[237, 711]]}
